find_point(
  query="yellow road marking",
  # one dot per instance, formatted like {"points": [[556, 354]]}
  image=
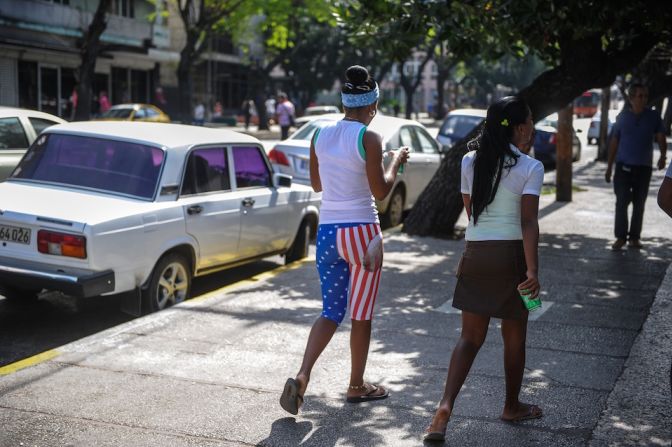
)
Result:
{"points": [[255, 279], [30, 361]]}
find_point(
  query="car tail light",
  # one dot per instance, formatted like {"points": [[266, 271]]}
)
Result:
{"points": [[278, 157], [61, 244], [553, 139]]}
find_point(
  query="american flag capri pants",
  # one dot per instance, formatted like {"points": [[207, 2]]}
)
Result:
{"points": [[344, 281]]}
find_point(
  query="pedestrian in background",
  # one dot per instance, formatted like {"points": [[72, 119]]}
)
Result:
{"points": [[247, 112], [500, 189], [346, 165], [631, 146], [104, 102], [199, 114], [284, 113], [270, 109]]}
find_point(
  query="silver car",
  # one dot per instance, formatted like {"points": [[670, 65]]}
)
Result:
{"points": [[292, 156], [18, 130]]}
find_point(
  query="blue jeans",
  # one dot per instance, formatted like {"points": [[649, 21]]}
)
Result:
{"points": [[631, 184]]}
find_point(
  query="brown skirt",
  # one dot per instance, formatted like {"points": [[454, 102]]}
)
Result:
{"points": [[487, 279]]}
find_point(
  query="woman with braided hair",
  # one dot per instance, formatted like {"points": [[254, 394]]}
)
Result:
{"points": [[346, 165], [500, 189]]}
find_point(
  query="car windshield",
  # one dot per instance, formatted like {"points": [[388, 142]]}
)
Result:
{"points": [[306, 132], [117, 113], [106, 165], [459, 126]]}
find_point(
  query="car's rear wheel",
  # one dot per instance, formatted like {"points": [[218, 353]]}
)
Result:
{"points": [[170, 283], [395, 210], [299, 248], [20, 295]]}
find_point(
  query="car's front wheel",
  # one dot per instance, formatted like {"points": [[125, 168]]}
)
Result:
{"points": [[395, 210], [169, 284], [299, 248]]}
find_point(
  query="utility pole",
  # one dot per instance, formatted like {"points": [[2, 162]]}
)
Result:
{"points": [[563, 164], [603, 140]]}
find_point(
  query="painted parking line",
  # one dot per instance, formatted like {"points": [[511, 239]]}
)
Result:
{"points": [[30, 361], [447, 308]]}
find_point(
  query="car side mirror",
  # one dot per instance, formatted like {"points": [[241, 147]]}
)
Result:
{"points": [[282, 180], [579, 130]]}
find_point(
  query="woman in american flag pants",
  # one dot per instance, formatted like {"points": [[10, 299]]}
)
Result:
{"points": [[346, 165]]}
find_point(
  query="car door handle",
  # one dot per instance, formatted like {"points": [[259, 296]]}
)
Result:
{"points": [[248, 202], [194, 209]]}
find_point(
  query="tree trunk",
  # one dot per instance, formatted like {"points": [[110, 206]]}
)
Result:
{"points": [[408, 108], [585, 66], [603, 140], [563, 149], [184, 86], [89, 53], [440, 84]]}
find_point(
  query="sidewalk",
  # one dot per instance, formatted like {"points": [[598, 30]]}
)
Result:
{"points": [[209, 372]]}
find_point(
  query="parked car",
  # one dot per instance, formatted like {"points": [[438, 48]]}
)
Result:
{"points": [[458, 124], [594, 129], [587, 104], [97, 208], [292, 156], [312, 112], [545, 140], [18, 130], [135, 112]]}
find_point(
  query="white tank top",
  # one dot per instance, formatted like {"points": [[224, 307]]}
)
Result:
{"points": [[346, 195]]}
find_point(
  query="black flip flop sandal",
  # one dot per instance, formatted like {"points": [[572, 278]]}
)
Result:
{"points": [[368, 396], [291, 400]]}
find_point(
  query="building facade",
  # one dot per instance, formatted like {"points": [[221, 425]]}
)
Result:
{"points": [[39, 56]]}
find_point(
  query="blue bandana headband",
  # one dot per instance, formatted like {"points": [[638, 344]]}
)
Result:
{"points": [[352, 101]]}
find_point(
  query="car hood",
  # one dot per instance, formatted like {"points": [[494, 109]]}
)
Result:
{"points": [[64, 204]]}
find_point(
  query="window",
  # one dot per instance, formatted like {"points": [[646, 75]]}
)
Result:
{"points": [[407, 139], [427, 144], [459, 126], [12, 135], [124, 8], [151, 113], [101, 164], [207, 171], [140, 114], [39, 124], [307, 131], [251, 168]]}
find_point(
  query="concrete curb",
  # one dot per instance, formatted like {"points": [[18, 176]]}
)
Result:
{"points": [[639, 408]]}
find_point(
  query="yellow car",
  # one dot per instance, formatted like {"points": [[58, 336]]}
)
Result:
{"points": [[135, 112]]}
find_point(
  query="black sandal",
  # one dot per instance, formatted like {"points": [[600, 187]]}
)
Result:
{"points": [[369, 396], [291, 400]]}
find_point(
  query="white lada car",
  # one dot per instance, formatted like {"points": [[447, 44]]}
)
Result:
{"points": [[99, 208]]}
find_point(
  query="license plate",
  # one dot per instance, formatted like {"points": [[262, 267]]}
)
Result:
{"points": [[14, 234], [302, 164]]}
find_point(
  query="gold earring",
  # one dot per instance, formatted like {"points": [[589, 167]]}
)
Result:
{"points": [[372, 113]]}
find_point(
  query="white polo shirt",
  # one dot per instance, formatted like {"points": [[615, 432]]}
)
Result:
{"points": [[501, 219]]}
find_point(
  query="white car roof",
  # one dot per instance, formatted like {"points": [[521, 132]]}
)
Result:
{"points": [[159, 134], [482, 113], [15, 111]]}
